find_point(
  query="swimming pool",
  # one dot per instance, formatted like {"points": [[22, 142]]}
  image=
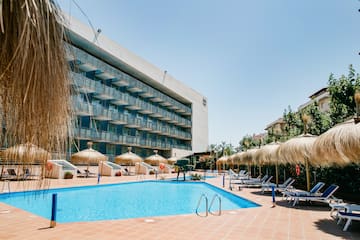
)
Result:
{"points": [[123, 200]]}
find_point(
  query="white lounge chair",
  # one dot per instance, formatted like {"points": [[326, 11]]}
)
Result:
{"points": [[241, 175], [280, 187], [314, 191], [349, 215], [325, 197]]}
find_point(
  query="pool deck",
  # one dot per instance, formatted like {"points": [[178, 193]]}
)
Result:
{"points": [[266, 222]]}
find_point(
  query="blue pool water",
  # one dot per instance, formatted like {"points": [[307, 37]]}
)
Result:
{"points": [[124, 200]]}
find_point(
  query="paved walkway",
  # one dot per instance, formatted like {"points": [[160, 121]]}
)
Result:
{"points": [[265, 222]]}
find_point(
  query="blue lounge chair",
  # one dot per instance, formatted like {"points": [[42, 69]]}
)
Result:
{"points": [[325, 197], [314, 191]]}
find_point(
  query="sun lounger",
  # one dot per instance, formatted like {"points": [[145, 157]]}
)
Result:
{"points": [[280, 187], [241, 175], [326, 197], [315, 191], [253, 183], [342, 207], [349, 215], [85, 174], [11, 175]]}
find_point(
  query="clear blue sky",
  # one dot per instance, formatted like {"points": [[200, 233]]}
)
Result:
{"points": [[251, 59]]}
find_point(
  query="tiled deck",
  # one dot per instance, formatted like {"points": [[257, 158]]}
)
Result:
{"points": [[265, 222]]}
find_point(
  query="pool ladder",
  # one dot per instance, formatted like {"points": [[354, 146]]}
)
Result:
{"points": [[208, 208]]}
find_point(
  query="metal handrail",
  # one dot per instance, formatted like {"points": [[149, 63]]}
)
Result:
{"points": [[198, 205], [211, 204]]}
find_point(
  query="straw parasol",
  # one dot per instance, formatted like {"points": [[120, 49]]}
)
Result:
{"points": [[128, 158], [297, 150], [25, 154], [88, 156], [267, 155], [235, 159], [339, 145], [249, 157], [222, 162], [155, 159]]}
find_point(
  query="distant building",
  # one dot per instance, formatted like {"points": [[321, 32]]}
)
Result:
{"points": [[322, 97], [276, 127], [121, 100]]}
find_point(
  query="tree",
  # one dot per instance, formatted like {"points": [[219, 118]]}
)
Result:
{"points": [[320, 121], [293, 124], [342, 92]]}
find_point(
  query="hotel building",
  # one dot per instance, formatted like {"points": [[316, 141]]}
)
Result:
{"points": [[121, 100]]}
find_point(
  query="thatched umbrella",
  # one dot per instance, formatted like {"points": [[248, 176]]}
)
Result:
{"points": [[35, 89], [267, 155], [25, 155], [339, 145], [249, 157], [155, 159], [234, 159], [128, 158], [88, 156], [298, 150], [222, 162]]}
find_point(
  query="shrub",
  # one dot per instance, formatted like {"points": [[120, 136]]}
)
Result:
{"points": [[68, 175], [196, 177]]}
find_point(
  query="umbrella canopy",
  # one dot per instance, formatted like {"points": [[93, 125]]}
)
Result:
{"points": [[222, 162], [249, 156], [298, 150], [88, 156], [155, 159], [25, 154], [339, 145], [128, 158], [266, 154]]}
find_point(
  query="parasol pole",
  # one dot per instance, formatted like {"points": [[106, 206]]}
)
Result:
{"points": [[260, 169], [277, 172], [306, 120], [307, 174]]}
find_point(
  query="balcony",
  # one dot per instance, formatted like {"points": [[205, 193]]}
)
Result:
{"points": [[132, 122], [82, 108], [132, 140], [101, 113], [103, 92], [117, 118], [82, 83], [135, 86], [134, 103], [145, 126], [119, 98]]}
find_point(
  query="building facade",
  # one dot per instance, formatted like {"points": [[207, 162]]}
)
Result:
{"points": [[120, 100], [321, 97]]}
